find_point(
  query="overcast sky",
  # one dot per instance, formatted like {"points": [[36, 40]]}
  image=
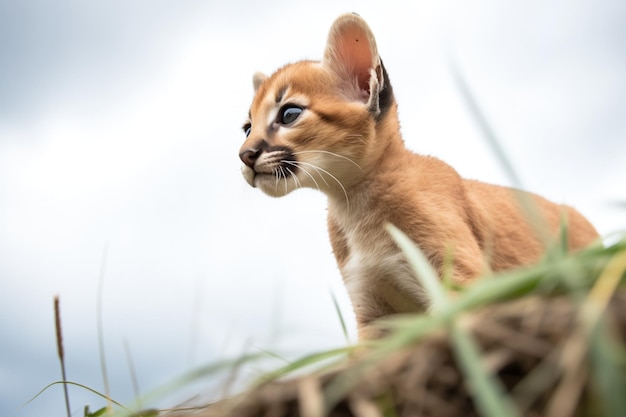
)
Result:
{"points": [[119, 133]]}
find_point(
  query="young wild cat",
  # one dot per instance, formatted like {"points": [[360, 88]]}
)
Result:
{"points": [[333, 125]]}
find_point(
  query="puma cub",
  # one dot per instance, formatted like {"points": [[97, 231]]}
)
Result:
{"points": [[333, 125]]}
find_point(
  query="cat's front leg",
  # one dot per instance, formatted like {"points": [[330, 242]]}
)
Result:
{"points": [[377, 295]]}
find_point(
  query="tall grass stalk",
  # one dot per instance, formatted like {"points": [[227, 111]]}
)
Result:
{"points": [[344, 329], [530, 208], [61, 353], [131, 368], [102, 355], [423, 269]]}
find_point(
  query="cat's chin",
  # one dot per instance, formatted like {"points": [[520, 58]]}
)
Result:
{"points": [[272, 186], [269, 183]]}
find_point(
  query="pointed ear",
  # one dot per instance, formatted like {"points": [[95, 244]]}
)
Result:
{"points": [[351, 53], [257, 80]]}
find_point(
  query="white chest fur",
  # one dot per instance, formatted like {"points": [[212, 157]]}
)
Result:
{"points": [[376, 271]]}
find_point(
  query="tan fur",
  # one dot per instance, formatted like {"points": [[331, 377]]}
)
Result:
{"points": [[346, 143]]}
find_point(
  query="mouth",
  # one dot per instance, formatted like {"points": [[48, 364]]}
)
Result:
{"points": [[253, 177], [279, 165], [281, 181]]}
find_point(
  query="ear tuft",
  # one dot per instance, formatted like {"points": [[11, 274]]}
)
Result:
{"points": [[351, 53], [257, 79]]}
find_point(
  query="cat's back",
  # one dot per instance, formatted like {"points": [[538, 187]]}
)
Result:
{"points": [[515, 226]]}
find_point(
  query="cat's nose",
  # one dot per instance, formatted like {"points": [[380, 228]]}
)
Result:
{"points": [[249, 156]]}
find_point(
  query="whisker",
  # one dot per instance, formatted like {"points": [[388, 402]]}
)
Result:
{"points": [[345, 193], [294, 176], [284, 177], [315, 167], [295, 164], [276, 177], [333, 154]]}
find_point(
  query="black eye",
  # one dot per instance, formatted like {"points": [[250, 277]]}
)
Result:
{"points": [[247, 128], [289, 114]]}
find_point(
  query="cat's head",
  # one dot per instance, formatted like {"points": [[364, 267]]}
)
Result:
{"points": [[314, 124]]}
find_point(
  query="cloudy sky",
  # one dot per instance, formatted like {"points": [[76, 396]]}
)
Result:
{"points": [[119, 132]]}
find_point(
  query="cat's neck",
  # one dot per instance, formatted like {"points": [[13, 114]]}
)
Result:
{"points": [[387, 156]]}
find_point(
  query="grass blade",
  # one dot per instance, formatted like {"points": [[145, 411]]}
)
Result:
{"points": [[424, 271], [100, 327], [76, 384], [131, 368], [607, 356], [484, 126], [312, 359], [527, 204], [491, 399], [197, 374], [340, 316]]}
